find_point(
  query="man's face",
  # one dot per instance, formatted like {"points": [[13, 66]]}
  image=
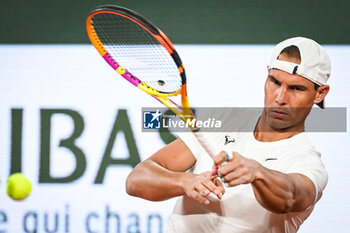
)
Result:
{"points": [[288, 98]]}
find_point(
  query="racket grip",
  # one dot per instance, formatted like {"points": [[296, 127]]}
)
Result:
{"points": [[207, 147], [204, 143]]}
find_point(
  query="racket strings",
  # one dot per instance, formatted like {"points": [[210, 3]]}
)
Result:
{"points": [[137, 51]]}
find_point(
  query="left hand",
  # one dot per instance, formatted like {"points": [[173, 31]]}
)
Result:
{"points": [[239, 170]]}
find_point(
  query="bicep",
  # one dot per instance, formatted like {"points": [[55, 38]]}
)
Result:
{"points": [[175, 156], [305, 194], [311, 177]]}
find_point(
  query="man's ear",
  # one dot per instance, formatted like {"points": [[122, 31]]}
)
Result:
{"points": [[321, 93]]}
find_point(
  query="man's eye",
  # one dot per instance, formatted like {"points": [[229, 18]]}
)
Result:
{"points": [[275, 82], [297, 88]]}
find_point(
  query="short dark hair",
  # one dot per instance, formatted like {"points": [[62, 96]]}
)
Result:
{"points": [[316, 86], [292, 51]]}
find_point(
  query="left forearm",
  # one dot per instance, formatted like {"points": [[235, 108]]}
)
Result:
{"points": [[281, 193], [275, 191]]}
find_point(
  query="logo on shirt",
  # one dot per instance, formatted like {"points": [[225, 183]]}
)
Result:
{"points": [[229, 140], [268, 159]]}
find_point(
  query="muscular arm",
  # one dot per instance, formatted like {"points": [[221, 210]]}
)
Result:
{"points": [[160, 176], [163, 176], [281, 193], [275, 191]]}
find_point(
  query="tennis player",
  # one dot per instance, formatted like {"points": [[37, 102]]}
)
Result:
{"points": [[268, 180]]}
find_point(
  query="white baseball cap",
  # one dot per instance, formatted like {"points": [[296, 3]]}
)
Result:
{"points": [[315, 64]]}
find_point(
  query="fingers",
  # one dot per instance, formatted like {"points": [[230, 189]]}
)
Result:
{"points": [[238, 181], [220, 185], [235, 178], [230, 168], [200, 196], [223, 156], [211, 187], [204, 192], [200, 186], [229, 164], [238, 171], [214, 171]]}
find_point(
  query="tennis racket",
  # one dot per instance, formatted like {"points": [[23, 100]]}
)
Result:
{"points": [[143, 55]]}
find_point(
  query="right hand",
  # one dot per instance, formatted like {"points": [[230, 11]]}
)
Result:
{"points": [[199, 186]]}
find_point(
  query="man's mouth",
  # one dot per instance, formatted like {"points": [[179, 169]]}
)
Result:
{"points": [[279, 113]]}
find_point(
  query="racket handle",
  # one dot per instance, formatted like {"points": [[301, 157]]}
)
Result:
{"points": [[207, 147], [204, 143]]}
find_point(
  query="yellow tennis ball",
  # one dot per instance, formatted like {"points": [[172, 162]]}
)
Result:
{"points": [[18, 186]]}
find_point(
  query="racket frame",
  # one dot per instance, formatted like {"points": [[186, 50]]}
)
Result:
{"points": [[184, 111]]}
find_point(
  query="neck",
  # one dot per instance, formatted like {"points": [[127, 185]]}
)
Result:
{"points": [[265, 133]]}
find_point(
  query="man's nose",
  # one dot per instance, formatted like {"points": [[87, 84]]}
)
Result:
{"points": [[281, 96]]}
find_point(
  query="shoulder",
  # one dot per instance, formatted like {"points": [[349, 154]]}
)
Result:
{"points": [[306, 160]]}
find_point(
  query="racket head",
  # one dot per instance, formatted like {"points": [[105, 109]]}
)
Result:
{"points": [[138, 50], [133, 46]]}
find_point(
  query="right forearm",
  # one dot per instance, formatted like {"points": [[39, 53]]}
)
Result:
{"points": [[151, 181]]}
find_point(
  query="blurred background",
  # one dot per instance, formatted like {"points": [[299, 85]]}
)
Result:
{"points": [[185, 22], [73, 127]]}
